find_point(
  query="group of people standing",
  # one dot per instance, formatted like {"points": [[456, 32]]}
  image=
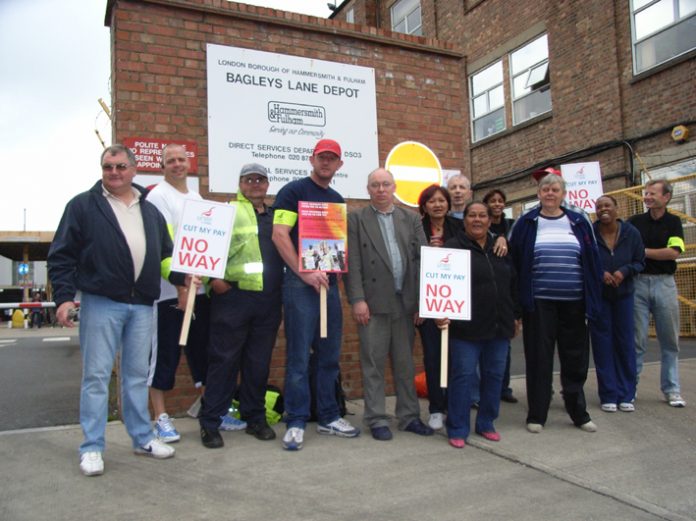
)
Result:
{"points": [[565, 280], [115, 240]]}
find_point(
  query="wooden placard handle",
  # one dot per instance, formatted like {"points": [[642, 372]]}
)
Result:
{"points": [[183, 338], [444, 356]]}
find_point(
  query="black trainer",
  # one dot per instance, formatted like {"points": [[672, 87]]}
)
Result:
{"points": [[418, 427], [509, 398], [261, 431], [211, 438]]}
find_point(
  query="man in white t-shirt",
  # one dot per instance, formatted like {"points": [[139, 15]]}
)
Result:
{"points": [[169, 197]]}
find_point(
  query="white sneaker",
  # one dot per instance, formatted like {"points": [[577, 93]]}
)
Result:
{"points": [[339, 427], [164, 429], [156, 449], [436, 421], [609, 407], [535, 428], [675, 400], [91, 463], [589, 426], [230, 423], [293, 439], [195, 408], [627, 407]]}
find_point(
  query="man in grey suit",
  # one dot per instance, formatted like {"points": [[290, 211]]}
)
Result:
{"points": [[383, 261]]}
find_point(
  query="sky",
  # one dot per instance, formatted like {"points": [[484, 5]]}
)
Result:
{"points": [[55, 63]]}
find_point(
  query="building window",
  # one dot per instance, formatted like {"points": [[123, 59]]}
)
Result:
{"points": [[661, 30], [531, 87], [406, 17], [487, 101], [350, 16]]}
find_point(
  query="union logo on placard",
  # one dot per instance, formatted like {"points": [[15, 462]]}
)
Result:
{"points": [[206, 217], [444, 263]]}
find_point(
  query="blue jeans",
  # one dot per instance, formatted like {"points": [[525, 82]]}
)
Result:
{"points": [[490, 356], [657, 294], [106, 327], [301, 318], [614, 351]]}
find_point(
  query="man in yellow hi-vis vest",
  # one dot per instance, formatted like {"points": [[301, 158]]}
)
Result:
{"points": [[245, 313]]}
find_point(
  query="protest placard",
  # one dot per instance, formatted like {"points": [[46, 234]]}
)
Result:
{"points": [[583, 184], [201, 245], [445, 283], [322, 237], [445, 291], [322, 234]]}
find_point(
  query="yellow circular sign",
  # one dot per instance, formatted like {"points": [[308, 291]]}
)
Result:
{"points": [[415, 167]]}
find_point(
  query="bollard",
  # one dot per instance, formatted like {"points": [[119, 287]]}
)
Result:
{"points": [[18, 319]]}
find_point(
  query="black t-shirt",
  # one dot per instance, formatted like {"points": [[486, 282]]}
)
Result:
{"points": [[656, 233], [503, 227]]}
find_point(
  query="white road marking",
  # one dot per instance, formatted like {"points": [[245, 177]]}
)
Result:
{"points": [[57, 339]]}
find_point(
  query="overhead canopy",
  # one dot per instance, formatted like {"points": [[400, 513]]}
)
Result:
{"points": [[30, 246]]}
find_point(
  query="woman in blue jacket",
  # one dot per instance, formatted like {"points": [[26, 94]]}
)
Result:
{"points": [[555, 253], [623, 255]]}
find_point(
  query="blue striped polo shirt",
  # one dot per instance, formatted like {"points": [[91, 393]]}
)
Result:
{"points": [[557, 268]]}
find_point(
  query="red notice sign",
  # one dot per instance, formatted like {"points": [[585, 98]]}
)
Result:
{"points": [[148, 152]]}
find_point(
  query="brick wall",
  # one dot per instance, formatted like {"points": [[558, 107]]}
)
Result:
{"points": [[159, 91], [595, 96], [159, 84]]}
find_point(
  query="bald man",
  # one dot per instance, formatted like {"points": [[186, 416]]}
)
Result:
{"points": [[382, 287]]}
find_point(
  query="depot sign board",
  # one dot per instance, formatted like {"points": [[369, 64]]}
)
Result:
{"points": [[148, 153], [272, 108], [203, 238], [583, 184], [445, 283]]}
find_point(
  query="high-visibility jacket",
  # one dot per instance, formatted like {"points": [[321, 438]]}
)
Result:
{"points": [[244, 262]]}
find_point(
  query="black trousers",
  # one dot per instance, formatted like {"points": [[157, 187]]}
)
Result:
{"points": [[556, 322], [243, 330]]}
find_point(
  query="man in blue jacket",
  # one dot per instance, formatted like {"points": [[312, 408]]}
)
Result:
{"points": [[112, 246]]}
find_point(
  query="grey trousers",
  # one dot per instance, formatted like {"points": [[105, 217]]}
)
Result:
{"points": [[388, 334]]}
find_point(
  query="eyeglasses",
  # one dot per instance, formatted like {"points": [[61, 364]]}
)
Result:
{"points": [[254, 180], [121, 167]]}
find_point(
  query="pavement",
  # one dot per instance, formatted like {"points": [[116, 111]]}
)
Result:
{"points": [[638, 466], [43, 332]]}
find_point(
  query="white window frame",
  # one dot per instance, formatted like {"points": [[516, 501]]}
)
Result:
{"points": [[678, 27], [408, 7], [538, 86], [473, 96]]}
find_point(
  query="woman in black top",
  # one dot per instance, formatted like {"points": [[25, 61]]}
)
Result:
{"points": [[501, 225], [433, 204], [484, 339]]}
